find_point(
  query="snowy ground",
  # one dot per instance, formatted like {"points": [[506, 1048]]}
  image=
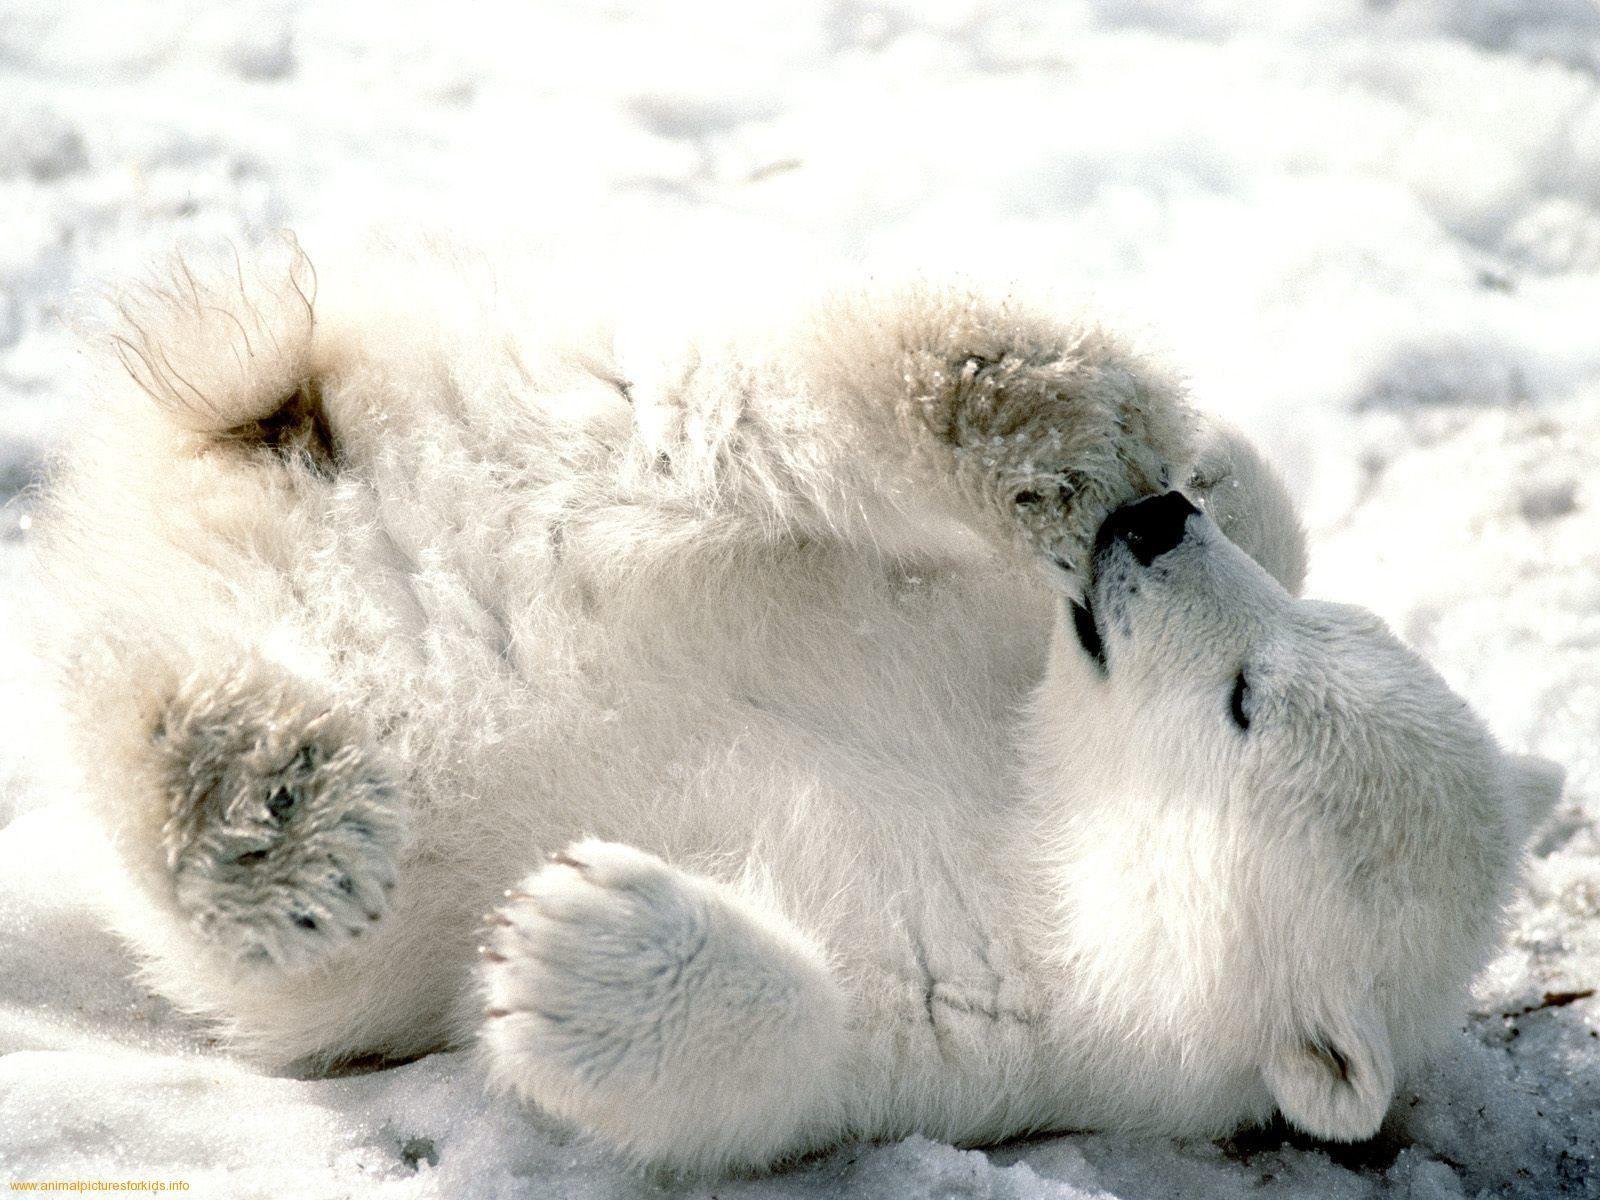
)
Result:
{"points": [[1371, 232]]}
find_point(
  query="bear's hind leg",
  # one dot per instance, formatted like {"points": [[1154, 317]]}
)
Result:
{"points": [[281, 827]]}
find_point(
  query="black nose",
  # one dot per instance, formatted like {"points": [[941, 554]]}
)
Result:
{"points": [[1148, 527]]}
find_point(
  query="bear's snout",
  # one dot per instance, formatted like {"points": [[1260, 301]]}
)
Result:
{"points": [[1149, 527]]}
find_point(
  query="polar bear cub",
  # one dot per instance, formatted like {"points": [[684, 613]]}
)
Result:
{"points": [[850, 728]]}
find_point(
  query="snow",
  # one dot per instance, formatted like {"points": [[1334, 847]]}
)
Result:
{"points": [[1369, 231]]}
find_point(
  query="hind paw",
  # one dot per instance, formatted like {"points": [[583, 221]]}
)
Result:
{"points": [[283, 832]]}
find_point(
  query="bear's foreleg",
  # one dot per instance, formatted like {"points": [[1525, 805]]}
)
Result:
{"points": [[663, 1012], [929, 405]]}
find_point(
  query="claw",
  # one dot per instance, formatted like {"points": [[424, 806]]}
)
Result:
{"points": [[496, 1012], [562, 858]]}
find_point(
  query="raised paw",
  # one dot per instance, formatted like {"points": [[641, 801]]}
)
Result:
{"points": [[283, 830], [1244, 495], [1050, 424], [659, 1010]]}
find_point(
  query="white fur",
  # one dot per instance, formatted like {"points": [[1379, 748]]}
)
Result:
{"points": [[428, 585]]}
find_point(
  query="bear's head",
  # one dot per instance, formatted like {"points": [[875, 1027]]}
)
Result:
{"points": [[1317, 834]]}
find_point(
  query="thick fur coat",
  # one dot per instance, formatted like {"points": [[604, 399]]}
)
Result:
{"points": [[834, 745]]}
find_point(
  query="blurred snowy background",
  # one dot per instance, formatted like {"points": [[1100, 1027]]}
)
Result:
{"points": [[1370, 231]]}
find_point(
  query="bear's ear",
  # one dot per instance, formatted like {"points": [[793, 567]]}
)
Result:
{"points": [[1337, 1082], [1535, 786]]}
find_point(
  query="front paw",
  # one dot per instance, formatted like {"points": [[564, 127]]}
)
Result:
{"points": [[1053, 428], [1249, 502], [654, 1008], [589, 961]]}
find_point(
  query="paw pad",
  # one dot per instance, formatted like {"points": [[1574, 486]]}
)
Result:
{"points": [[283, 831], [586, 956]]}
